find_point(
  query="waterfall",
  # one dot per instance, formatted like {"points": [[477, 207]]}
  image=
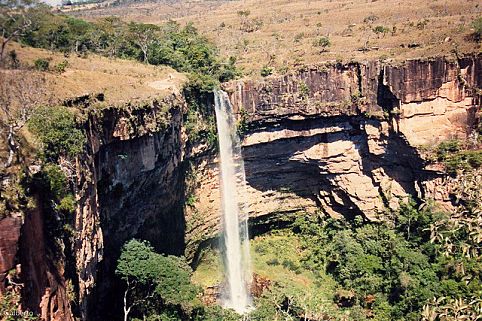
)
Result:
{"points": [[234, 212]]}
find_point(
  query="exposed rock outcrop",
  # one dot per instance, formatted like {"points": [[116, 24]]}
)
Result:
{"points": [[130, 185], [343, 138], [10, 232], [44, 290]]}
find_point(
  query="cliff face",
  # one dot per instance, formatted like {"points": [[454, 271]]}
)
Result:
{"points": [[44, 290], [343, 139], [10, 231], [130, 186]]}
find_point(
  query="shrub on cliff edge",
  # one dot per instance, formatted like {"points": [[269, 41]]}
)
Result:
{"points": [[57, 132], [477, 25]]}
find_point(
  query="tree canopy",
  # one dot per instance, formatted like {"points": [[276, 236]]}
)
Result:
{"points": [[151, 277]]}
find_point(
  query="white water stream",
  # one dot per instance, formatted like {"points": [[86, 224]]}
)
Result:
{"points": [[233, 186]]}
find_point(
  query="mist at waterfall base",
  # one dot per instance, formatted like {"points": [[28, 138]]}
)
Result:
{"points": [[234, 213]]}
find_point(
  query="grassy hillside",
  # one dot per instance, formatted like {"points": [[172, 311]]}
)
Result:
{"points": [[119, 80], [280, 33]]}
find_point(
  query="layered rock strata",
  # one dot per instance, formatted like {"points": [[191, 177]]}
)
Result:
{"points": [[344, 139]]}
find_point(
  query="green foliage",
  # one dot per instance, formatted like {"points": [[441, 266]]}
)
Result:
{"points": [[61, 66], [57, 131], [156, 277], [400, 267], [242, 125], [266, 71], [10, 307], [191, 200], [14, 61], [215, 313], [292, 266], [323, 42], [381, 30], [304, 89], [477, 25], [42, 64], [182, 48], [201, 128], [14, 196], [55, 185], [355, 270], [15, 20], [67, 204], [446, 148], [414, 223], [56, 180], [243, 13], [299, 36], [456, 159]]}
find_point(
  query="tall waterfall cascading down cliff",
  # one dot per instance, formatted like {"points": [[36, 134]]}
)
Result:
{"points": [[234, 213]]}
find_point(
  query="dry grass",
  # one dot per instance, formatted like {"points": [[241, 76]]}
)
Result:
{"points": [[289, 28], [148, 12], [119, 80]]}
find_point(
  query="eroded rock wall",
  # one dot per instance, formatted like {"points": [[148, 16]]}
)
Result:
{"points": [[44, 287], [130, 186], [343, 139]]}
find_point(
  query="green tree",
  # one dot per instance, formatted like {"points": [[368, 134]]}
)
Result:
{"points": [[143, 35], [15, 20], [150, 277]]}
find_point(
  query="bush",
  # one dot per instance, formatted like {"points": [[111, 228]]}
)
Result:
{"points": [[61, 66], [445, 149], [372, 260], [182, 48], [380, 30], [273, 262], [266, 71], [477, 25], [292, 266], [303, 89], [56, 180], [323, 42], [299, 36], [454, 158], [67, 204], [42, 64], [14, 62], [370, 19], [57, 131]]}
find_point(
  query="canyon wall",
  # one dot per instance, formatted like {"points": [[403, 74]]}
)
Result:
{"points": [[130, 186], [343, 139]]}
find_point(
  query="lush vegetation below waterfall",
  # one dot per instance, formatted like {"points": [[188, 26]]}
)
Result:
{"points": [[325, 269]]}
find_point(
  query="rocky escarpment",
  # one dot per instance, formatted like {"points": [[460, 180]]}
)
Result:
{"points": [[44, 287], [130, 186], [343, 139]]}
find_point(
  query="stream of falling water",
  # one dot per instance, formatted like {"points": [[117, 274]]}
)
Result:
{"points": [[235, 217]]}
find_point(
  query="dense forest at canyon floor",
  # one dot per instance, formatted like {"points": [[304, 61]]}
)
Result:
{"points": [[361, 139]]}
